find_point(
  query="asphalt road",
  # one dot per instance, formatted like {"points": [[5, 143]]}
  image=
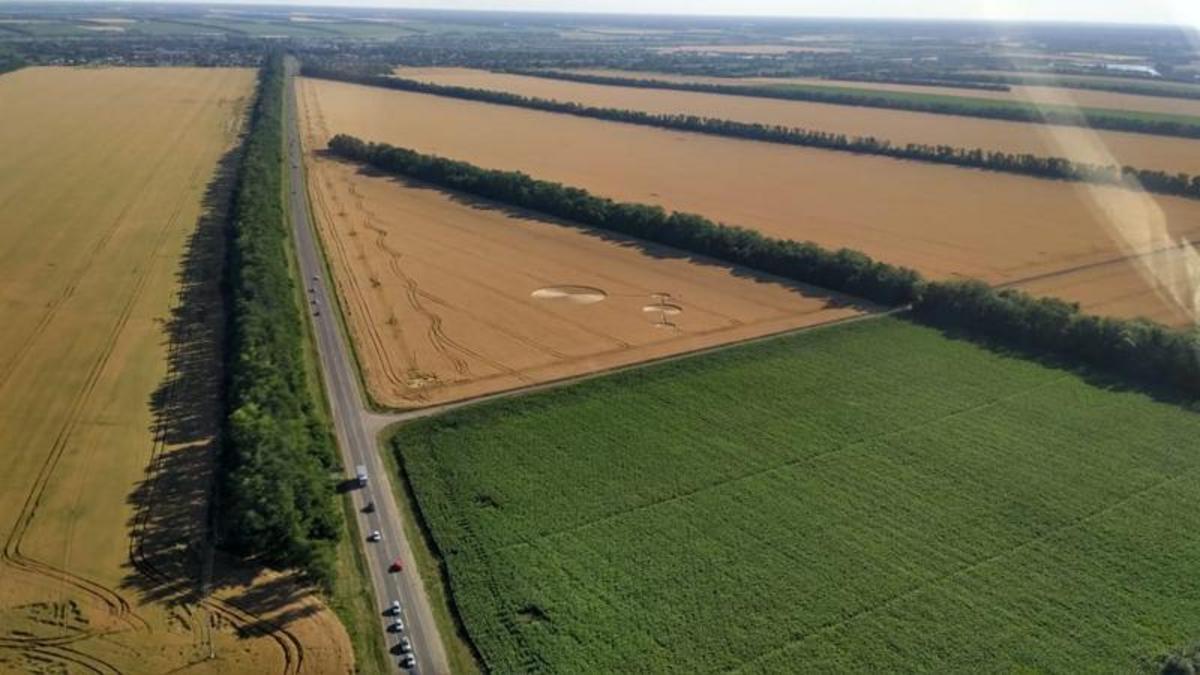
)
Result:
{"points": [[356, 435]]}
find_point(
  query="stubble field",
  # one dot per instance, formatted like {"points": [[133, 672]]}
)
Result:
{"points": [[1086, 98], [872, 497], [944, 221], [898, 126], [111, 191], [449, 298]]}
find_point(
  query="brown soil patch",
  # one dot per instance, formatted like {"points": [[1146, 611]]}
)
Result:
{"points": [[109, 248], [898, 126], [944, 221], [450, 298]]}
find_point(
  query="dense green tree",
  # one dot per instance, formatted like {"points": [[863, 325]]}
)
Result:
{"points": [[278, 498]]}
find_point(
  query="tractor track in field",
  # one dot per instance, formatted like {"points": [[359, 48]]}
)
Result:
{"points": [[290, 646], [66, 656], [72, 284], [56, 648]]}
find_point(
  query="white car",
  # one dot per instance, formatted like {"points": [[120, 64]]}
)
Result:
{"points": [[375, 535], [405, 646], [408, 661], [397, 625], [394, 608]]}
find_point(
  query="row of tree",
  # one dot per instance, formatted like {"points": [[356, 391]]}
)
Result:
{"points": [[1058, 168], [1021, 112], [1112, 84], [1137, 349], [9, 61], [926, 81], [278, 499]]}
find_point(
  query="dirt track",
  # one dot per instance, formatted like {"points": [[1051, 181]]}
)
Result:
{"points": [[450, 299], [945, 221]]}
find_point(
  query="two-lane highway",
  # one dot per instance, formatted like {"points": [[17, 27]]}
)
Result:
{"points": [[357, 441]]}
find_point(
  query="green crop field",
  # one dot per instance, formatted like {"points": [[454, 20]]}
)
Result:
{"points": [[871, 497]]}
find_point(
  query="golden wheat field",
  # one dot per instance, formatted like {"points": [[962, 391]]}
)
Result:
{"points": [[449, 298], [1086, 98], [111, 193], [944, 221], [898, 126]]}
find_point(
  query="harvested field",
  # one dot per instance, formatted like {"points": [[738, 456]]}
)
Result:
{"points": [[944, 221], [899, 126], [112, 189], [449, 298], [1086, 98], [871, 497]]}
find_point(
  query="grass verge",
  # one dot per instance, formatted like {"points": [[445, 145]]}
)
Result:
{"points": [[459, 651], [351, 598]]}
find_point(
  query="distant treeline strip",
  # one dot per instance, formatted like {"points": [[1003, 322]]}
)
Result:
{"points": [[1137, 349], [965, 107], [1134, 87], [278, 501], [10, 62], [972, 84], [1056, 168], [1003, 82]]}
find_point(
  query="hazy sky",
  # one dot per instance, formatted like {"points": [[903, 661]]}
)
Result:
{"points": [[1140, 11]]}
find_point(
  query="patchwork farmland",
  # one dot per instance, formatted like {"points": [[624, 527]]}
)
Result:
{"points": [[872, 496], [449, 298], [300, 376], [898, 126], [944, 221], [111, 185]]}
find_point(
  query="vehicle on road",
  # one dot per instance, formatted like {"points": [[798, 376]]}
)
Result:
{"points": [[397, 625], [397, 566], [360, 473], [408, 662], [404, 646], [369, 508], [375, 535]]}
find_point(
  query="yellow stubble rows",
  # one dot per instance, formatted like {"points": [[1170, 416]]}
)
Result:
{"points": [[102, 186]]}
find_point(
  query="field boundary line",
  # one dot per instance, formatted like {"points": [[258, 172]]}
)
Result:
{"points": [[383, 421]]}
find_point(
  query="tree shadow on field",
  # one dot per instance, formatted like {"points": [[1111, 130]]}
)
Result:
{"points": [[1108, 381], [172, 551], [832, 299]]}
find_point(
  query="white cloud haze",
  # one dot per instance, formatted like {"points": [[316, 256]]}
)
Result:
{"points": [[1133, 11]]}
